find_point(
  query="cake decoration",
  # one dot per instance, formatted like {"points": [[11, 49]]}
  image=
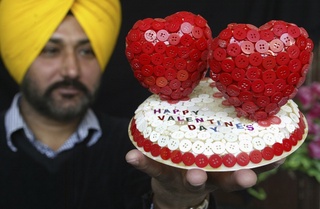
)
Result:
{"points": [[239, 116]]}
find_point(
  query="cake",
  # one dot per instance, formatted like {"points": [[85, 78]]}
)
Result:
{"points": [[237, 114]]}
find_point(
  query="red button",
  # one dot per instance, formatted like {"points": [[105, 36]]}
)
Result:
{"points": [[245, 96], [293, 78], [201, 161], [241, 61], [266, 35], [168, 62], [287, 145], [158, 24], [233, 90], [225, 34], [195, 54], [175, 84], [135, 64], [134, 35], [219, 54], [294, 140], [280, 84], [201, 44], [269, 62], [249, 107], [147, 145], [264, 123], [174, 39], [166, 90], [272, 108], [157, 59], [288, 91], [260, 115], [263, 101], [234, 101], [283, 72], [135, 47], [225, 79], [186, 40], [172, 51], [155, 150], [129, 53], [282, 58], [176, 156], [239, 33], [276, 97], [165, 153], [269, 76], [188, 158], [197, 32], [215, 161], [267, 153], [305, 57], [294, 31], [229, 160], [244, 84], [255, 156], [145, 59], [180, 64], [160, 47], [161, 81], [192, 66], [293, 51], [255, 59], [183, 52], [295, 65], [253, 35], [155, 89], [253, 73], [227, 65], [277, 149], [170, 74], [257, 86], [159, 70], [243, 159], [279, 29], [173, 26], [147, 70], [269, 89], [237, 74], [182, 75], [233, 49]]}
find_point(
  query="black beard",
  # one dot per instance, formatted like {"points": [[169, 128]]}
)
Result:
{"points": [[48, 107]]}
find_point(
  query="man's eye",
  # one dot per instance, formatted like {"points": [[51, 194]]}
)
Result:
{"points": [[87, 52], [50, 51]]}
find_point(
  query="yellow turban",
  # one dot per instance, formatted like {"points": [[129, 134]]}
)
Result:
{"points": [[27, 25]]}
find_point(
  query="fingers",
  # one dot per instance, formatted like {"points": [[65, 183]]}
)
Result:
{"points": [[144, 164]]}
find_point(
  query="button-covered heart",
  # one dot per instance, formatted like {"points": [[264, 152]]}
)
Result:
{"points": [[169, 56], [259, 69]]}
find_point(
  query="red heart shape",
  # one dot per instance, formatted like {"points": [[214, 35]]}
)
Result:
{"points": [[259, 69], [169, 56]]}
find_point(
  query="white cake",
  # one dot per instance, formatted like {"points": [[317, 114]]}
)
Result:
{"points": [[205, 132]]}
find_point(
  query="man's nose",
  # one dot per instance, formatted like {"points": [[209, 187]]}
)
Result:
{"points": [[71, 67]]}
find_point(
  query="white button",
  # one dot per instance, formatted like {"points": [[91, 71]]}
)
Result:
{"points": [[142, 125], [173, 144], [286, 108], [147, 132], [294, 117], [177, 135], [287, 39], [198, 147], [279, 137], [258, 143], [161, 128], [245, 145], [150, 35], [185, 145], [230, 137], [186, 27], [191, 134], [218, 147], [290, 128], [269, 139], [163, 141], [204, 135], [156, 123], [245, 137], [162, 35], [208, 149], [232, 147], [154, 136]]}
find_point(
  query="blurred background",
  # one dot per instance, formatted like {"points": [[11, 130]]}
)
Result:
{"points": [[121, 94]]}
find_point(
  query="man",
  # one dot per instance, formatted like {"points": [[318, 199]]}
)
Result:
{"points": [[55, 152]]}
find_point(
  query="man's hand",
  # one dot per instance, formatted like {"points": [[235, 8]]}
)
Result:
{"points": [[179, 188]]}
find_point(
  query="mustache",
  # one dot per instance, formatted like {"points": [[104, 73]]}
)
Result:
{"points": [[68, 83]]}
